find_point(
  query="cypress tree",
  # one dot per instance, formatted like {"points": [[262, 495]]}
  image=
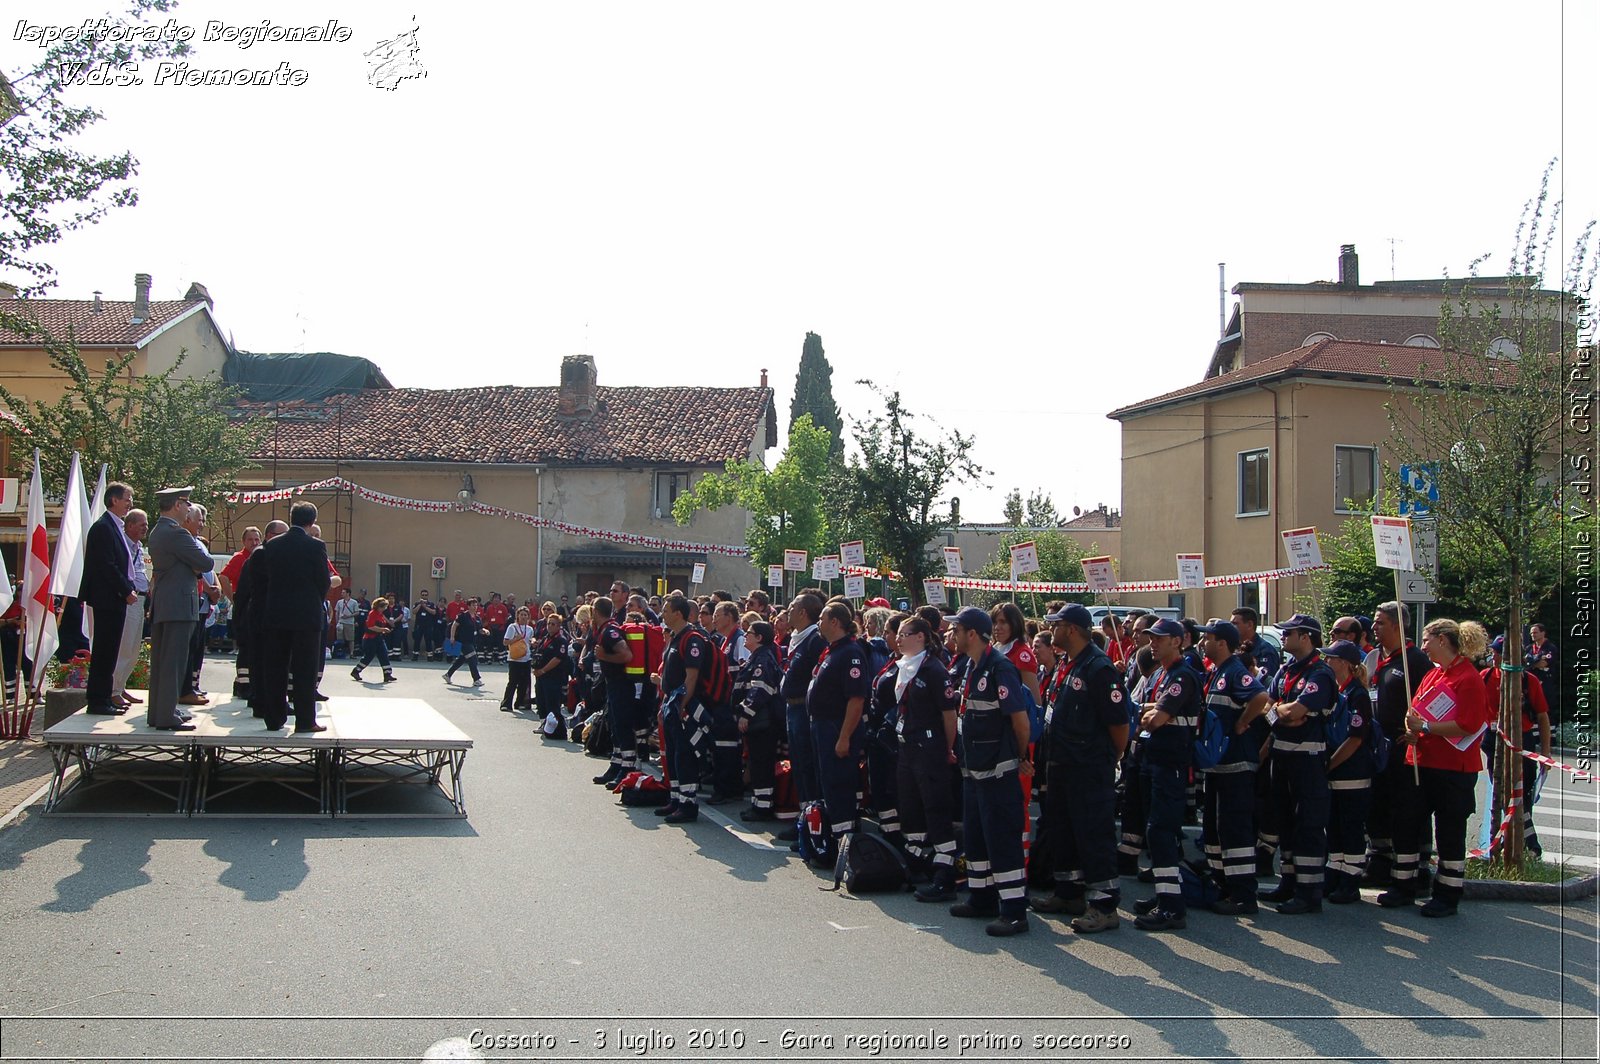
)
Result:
{"points": [[813, 394]]}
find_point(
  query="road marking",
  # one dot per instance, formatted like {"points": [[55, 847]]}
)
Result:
{"points": [[841, 927], [919, 928], [1587, 836], [1575, 860], [750, 839]]}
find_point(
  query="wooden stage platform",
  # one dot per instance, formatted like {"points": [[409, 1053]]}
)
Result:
{"points": [[396, 757]]}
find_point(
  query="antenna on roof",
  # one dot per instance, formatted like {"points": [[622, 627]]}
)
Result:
{"points": [[1222, 298], [1392, 242]]}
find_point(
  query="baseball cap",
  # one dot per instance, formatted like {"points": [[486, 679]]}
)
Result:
{"points": [[1303, 623], [1168, 626], [1225, 629], [1497, 643], [973, 619], [874, 603], [1344, 650], [1072, 613]]}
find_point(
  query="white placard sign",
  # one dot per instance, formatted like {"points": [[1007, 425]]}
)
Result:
{"points": [[855, 587], [933, 592], [1024, 558], [826, 567], [853, 553], [1099, 574], [952, 562], [1391, 542], [699, 575], [1303, 548], [794, 561], [774, 576], [10, 492], [1191, 570]]}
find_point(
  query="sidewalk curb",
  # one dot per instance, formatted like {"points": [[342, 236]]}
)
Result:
{"points": [[23, 806], [1574, 889]]}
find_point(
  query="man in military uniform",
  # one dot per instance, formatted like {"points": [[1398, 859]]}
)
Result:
{"points": [[1086, 730]]}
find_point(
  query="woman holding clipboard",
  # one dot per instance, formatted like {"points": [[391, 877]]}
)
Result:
{"points": [[1446, 724]]}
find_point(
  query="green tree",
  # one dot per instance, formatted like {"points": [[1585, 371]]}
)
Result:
{"points": [[151, 431], [1060, 562], [48, 186], [785, 502], [813, 394], [1013, 510], [892, 491], [1037, 511], [1487, 417]]}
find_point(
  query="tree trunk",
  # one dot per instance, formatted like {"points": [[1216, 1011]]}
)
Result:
{"points": [[1508, 770]]}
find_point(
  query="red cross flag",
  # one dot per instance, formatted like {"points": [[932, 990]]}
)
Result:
{"points": [[36, 604]]}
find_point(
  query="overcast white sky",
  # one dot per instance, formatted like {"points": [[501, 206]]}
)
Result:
{"points": [[1013, 212]]}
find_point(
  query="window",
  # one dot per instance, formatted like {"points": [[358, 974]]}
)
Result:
{"points": [[1250, 595], [1421, 340], [1179, 603], [1504, 347], [394, 581], [668, 487], [1355, 477], [1254, 468], [1316, 338]]}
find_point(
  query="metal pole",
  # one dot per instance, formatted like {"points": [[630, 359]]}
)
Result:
{"points": [[1405, 666]]}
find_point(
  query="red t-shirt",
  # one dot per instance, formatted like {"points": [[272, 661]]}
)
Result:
{"points": [[452, 610], [234, 567], [1533, 700], [495, 614], [1021, 655], [376, 619], [1465, 686]]}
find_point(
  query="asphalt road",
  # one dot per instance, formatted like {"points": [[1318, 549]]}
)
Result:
{"points": [[553, 914]]}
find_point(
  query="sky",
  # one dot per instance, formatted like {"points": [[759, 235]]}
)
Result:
{"points": [[1013, 213]]}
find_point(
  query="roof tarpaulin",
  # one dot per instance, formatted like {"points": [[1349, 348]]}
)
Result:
{"points": [[270, 378]]}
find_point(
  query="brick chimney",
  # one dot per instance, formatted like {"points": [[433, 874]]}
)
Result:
{"points": [[1349, 267], [141, 298], [763, 378], [198, 291], [579, 390]]}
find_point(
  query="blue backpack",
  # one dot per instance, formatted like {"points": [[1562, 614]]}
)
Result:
{"points": [[817, 845], [1210, 740], [1035, 715], [1339, 721]]}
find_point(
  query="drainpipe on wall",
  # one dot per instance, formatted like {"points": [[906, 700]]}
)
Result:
{"points": [[538, 550], [1275, 500]]}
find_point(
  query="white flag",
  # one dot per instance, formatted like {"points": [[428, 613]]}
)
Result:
{"points": [[6, 594], [97, 505], [66, 576], [40, 639]]}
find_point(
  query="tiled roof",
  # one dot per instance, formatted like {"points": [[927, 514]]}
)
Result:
{"points": [[1342, 359], [110, 326], [511, 425], [1094, 519]]}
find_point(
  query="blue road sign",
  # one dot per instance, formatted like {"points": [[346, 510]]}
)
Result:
{"points": [[1419, 489]]}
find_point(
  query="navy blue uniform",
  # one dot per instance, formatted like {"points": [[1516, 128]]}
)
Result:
{"points": [[992, 815], [1350, 799], [755, 693], [688, 649], [923, 766], [1395, 788], [883, 788], [621, 705], [1228, 829], [1078, 809], [805, 650], [1168, 752], [1268, 659], [1300, 776], [840, 677]]}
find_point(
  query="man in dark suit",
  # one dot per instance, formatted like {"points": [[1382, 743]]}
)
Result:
{"points": [[247, 617], [107, 589], [293, 584]]}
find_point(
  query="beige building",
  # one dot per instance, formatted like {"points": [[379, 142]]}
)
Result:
{"points": [[598, 458], [156, 332], [1285, 431]]}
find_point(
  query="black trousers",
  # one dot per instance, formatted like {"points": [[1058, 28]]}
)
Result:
{"points": [[927, 807], [1445, 800], [1228, 832], [883, 781], [1168, 786], [626, 722], [108, 622], [1078, 812], [1393, 789], [1347, 833], [374, 647], [839, 778], [1300, 796], [727, 753], [761, 742], [1530, 784], [519, 685], [285, 650], [197, 654], [992, 825], [244, 649], [1135, 808]]}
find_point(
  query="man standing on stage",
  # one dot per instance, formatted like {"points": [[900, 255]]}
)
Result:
{"points": [[107, 589], [135, 525], [229, 579], [295, 568], [178, 560]]}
